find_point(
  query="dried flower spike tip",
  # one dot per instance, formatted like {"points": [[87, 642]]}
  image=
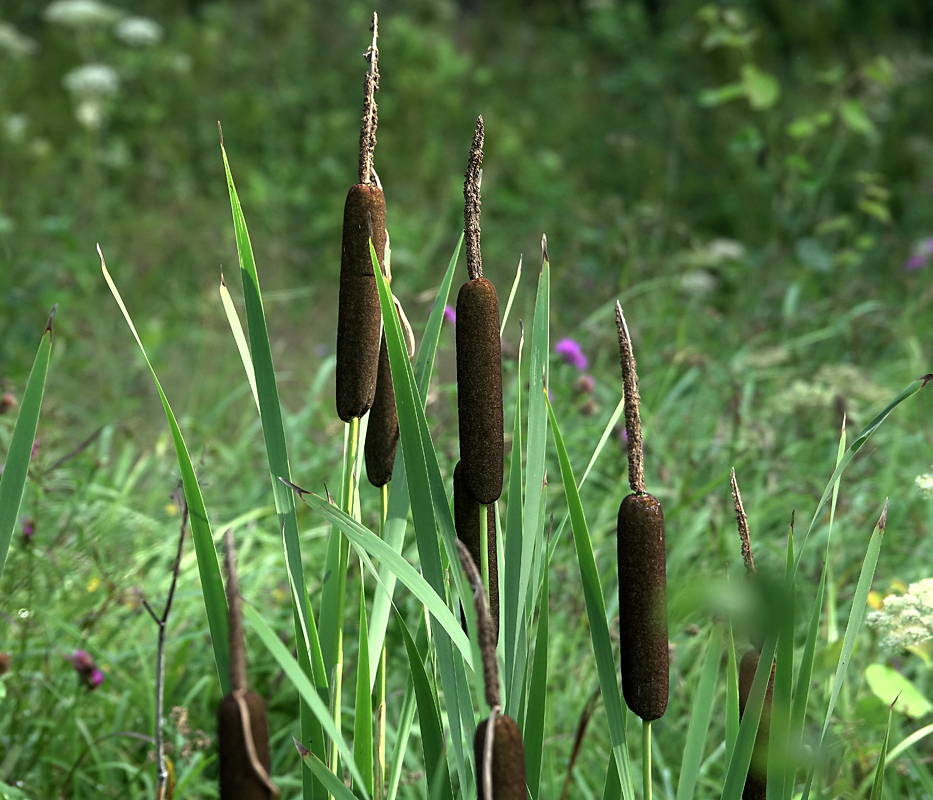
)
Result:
{"points": [[642, 566], [479, 355]]}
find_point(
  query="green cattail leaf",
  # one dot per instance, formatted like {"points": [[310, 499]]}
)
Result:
{"points": [[363, 718], [308, 692], [533, 729], [212, 587], [310, 656], [329, 781], [432, 733], [13, 479], [398, 505], [877, 788], [430, 513], [403, 731], [700, 716], [596, 614], [233, 319]]}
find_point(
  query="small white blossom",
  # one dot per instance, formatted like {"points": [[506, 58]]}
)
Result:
{"points": [[92, 82], [14, 126], [698, 283], [907, 619], [138, 31], [90, 114], [925, 484], [14, 43], [81, 13]]}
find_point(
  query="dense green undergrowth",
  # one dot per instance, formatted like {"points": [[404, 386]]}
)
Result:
{"points": [[757, 198]]}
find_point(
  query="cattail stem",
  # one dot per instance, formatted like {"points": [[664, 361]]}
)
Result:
{"points": [[646, 759], [484, 534]]}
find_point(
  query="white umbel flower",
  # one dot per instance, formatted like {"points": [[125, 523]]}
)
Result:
{"points": [[906, 620], [92, 82], [13, 43], [925, 484], [81, 13], [138, 31]]}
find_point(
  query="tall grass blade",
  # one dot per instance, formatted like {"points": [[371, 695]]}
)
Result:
{"points": [[363, 717], [239, 337], [877, 788], [309, 650], [212, 586], [533, 731], [296, 675], [596, 614], [700, 717], [13, 478]]}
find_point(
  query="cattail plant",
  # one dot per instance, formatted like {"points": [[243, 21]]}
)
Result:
{"points": [[497, 746], [642, 565], [757, 779], [479, 354], [466, 520], [358, 315], [242, 730]]}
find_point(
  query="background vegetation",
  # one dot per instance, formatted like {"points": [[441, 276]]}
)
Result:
{"points": [[754, 181]]}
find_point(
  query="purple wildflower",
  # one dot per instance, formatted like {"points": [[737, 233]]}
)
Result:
{"points": [[87, 670], [572, 353], [921, 255], [29, 529], [450, 315]]}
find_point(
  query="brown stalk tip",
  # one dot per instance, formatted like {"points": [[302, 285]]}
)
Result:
{"points": [[382, 433], [742, 520], [370, 116], [358, 311], [508, 760], [471, 197], [466, 521], [479, 390], [643, 641], [484, 626], [636, 465]]}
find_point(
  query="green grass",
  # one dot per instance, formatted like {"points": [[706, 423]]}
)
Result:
{"points": [[747, 358]]}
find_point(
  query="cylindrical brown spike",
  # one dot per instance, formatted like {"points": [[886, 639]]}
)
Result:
{"points": [[508, 760], [382, 433], [239, 779], [466, 521], [479, 389], [756, 782], [643, 605], [358, 313]]}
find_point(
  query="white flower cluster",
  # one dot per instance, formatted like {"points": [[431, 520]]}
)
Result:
{"points": [[138, 31], [925, 483], [81, 13], [13, 43], [91, 85], [906, 619]]}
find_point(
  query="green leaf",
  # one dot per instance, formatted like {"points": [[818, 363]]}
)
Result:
{"points": [[596, 614], [533, 732], [710, 98], [212, 586], [308, 692], [854, 117], [761, 88], [890, 686], [363, 717], [877, 789], [700, 717], [16, 467]]}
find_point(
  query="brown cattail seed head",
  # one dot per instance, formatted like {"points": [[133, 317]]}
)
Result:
{"points": [[479, 389], [358, 313], [238, 777], [508, 760], [382, 433], [466, 521], [643, 605], [757, 779]]}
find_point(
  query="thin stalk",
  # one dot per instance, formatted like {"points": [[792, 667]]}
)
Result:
{"points": [[346, 504], [646, 758], [484, 546], [379, 787]]}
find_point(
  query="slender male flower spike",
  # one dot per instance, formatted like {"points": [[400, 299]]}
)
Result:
{"points": [[498, 749], [242, 730], [358, 313], [642, 566], [479, 354]]}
